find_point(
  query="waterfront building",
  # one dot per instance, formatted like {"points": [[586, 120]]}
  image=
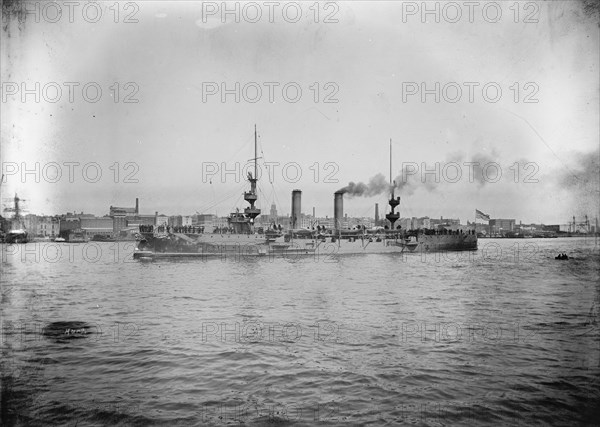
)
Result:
{"points": [[208, 221], [48, 226], [501, 226], [97, 226], [119, 222], [138, 220], [162, 219], [175, 221], [127, 211]]}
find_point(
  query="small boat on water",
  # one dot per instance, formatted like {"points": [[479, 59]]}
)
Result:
{"points": [[60, 239], [562, 257], [101, 238], [77, 236], [16, 236]]}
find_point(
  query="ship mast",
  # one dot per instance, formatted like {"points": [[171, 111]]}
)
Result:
{"points": [[251, 196], [17, 209], [391, 166], [392, 217]]}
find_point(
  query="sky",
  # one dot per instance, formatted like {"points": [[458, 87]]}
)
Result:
{"points": [[184, 83]]}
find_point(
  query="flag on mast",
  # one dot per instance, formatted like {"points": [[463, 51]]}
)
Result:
{"points": [[481, 215]]}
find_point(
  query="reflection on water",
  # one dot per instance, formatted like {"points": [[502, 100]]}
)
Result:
{"points": [[506, 335]]}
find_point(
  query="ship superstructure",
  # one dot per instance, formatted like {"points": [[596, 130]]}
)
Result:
{"points": [[243, 223], [392, 216]]}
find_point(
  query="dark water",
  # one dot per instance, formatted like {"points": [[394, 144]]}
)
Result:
{"points": [[506, 335]]}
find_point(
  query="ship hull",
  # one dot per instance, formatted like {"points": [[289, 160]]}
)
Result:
{"points": [[234, 246], [446, 242]]}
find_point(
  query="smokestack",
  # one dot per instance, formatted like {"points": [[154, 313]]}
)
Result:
{"points": [[338, 209], [376, 213], [156, 218], [314, 215], [137, 206], [296, 207]]}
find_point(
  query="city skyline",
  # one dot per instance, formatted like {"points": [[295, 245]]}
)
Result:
{"points": [[266, 216]]}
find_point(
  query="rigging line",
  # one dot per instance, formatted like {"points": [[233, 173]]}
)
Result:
{"points": [[274, 199], [213, 194], [270, 200], [240, 191], [223, 199], [544, 141], [366, 211], [273, 191], [234, 155], [260, 189], [264, 160], [263, 190], [243, 145], [262, 155], [237, 202], [264, 196]]}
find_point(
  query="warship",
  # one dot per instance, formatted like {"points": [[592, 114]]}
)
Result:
{"points": [[242, 239]]}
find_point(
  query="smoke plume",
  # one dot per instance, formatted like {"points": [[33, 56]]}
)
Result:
{"points": [[582, 181], [376, 186], [481, 168]]}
